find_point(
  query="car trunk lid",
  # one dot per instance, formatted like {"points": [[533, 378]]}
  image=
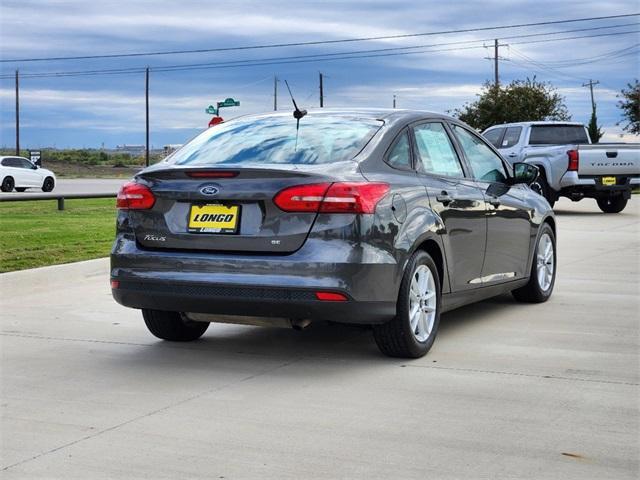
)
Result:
{"points": [[244, 193]]}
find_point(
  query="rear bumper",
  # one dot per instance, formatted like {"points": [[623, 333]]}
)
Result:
{"points": [[258, 302], [258, 285], [591, 186]]}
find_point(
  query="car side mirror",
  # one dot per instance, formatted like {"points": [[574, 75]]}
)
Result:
{"points": [[525, 173], [35, 167]]}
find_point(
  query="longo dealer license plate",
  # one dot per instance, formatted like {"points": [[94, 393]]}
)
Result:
{"points": [[608, 180], [214, 218]]}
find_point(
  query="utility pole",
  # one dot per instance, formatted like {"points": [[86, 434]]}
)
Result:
{"points": [[590, 84], [275, 93], [17, 114], [495, 65], [394, 101], [495, 58], [321, 91], [146, 99]]}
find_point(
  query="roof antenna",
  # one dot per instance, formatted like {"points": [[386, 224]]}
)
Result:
{"points": [[297, 113]]}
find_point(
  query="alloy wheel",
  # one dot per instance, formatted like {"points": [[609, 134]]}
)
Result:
{"points": [[422, 303], [545, 262]]}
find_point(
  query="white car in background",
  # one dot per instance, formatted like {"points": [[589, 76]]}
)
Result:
{"points": [[19, 173]]}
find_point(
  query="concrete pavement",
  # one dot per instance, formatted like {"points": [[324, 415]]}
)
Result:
{"points": [[508, 390]]}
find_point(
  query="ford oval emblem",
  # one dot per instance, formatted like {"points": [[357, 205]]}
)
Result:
{"points": [[209, 190]]}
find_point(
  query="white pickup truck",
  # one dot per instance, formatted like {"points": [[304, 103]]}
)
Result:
{"points": [[569, 165]]}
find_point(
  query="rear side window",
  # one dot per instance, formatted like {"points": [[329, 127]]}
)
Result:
{"points": [[557, 135], [511, 137], [435, 151], [400, 156], [12, 162], [494, 136], [273, 139]]}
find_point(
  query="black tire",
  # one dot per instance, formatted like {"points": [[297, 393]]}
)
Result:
{"points": [[21, 189], [541, 187], [396, 337], [48, 184], [7, 184], [614, 204], [532, 292], [172, 326]]}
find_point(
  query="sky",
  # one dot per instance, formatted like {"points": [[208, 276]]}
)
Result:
{"points": [[91, 111]]}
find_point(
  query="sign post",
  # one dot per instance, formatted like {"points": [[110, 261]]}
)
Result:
{"points": [[211, 110]]}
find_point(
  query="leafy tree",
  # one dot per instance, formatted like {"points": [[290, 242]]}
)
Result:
{"points": [[594, 130], [519, 101], [630, 106]]}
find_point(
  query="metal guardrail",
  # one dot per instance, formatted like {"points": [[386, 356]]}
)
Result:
{"points": [[60, 197]]}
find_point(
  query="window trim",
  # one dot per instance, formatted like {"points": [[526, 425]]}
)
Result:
{"points": [[416, 154], [505, 164], [387, 154]]}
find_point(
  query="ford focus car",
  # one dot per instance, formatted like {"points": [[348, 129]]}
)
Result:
{"points": [[382, 218]]}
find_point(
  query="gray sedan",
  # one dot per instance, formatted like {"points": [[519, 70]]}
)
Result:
{"points": [[383, 218]]}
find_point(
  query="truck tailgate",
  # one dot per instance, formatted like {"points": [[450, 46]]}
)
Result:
{"points": [[609, 159]]}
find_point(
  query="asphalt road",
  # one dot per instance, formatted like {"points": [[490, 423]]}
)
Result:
{"points": [[508, 390], [78, 185]]}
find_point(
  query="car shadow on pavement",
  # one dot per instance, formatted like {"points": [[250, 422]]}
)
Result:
{"points": [[230, 346], [470, 315], [577, 213]]}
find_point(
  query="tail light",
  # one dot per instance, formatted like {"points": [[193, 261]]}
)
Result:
{"points": [[574, 160], [135, 196], [340, 197]]}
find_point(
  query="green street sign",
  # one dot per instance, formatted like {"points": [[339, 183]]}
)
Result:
{"points": [[229, 102], [211, 110]]}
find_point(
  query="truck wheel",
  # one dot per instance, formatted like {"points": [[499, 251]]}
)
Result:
{"points": [[172, 326], [612, 204], [543, 271], [7, 184], [413, 330], [541, 187]]}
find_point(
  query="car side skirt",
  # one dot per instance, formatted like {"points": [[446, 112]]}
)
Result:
{"points": [[455, 300]]}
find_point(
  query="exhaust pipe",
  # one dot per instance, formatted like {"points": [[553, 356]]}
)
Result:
{"points": [[299, 323], [295, 323]]}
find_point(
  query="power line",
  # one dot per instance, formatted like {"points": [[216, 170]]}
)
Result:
{"points": [[584, 60], [606, 57], [312, 58], [316, 42]]}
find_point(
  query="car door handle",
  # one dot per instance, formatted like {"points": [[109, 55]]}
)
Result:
{"points": [[512, 155], [495, 201], [444, 198]]}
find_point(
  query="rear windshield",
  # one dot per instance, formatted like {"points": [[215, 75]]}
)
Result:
{"points": [[321, 139], [557, 135]]}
